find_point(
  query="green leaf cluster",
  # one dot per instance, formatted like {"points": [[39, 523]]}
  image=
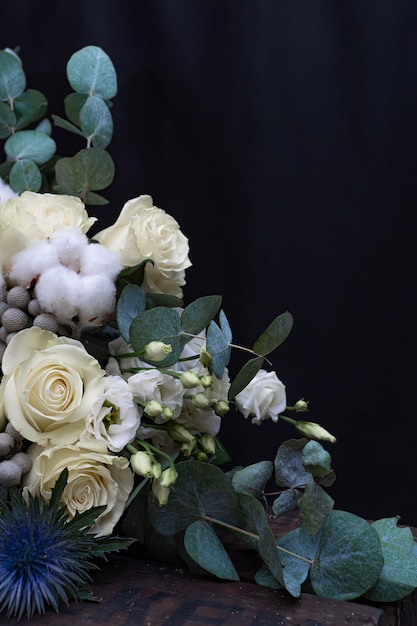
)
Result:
{"points": [[32, 162]]}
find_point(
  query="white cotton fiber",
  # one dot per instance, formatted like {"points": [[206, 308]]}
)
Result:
{"points": [[70, 244], [97, 259], [97, 299], [34, 260], [59, 291]]}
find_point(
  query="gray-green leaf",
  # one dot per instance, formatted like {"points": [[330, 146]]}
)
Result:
{"points": [[96, 121], [206, 549], [30, 144], [91, 71], [12, 76], [274, 335]]}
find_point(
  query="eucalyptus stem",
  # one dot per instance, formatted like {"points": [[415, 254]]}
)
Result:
{"points": [[208, 518]]}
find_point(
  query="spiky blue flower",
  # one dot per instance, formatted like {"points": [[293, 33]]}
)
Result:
{"points": [[45, 558]]}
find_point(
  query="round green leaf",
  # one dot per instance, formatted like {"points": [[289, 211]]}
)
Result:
{"points": [[73, 104], [253, 478], [25, 176], [12, 76], [30, 144], [131, 302], [296, 570], [90, 71], [89, 169], [31, 106], [198, 314], [7, 120], [158, 324], [96, 121], [200, 490], [205, 548], [289, 468], [349, 557]]}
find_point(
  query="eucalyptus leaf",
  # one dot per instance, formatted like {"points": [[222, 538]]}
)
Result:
{"points": [[157, 324], [296, 570], [30, 144], [163, 299], [349, 557], [317, 461], [89, 169], [91, 71], [260, 536], [200, 490], [7, 120], [287, 501], [199, 313], [315, 505], [12, 77], [218, 345], [59, 121], [94, 199], [205, 548], [131, 302], [398, 577], [73, 104], [25, 176], [96, 122], [253, 478], [44, 126], [245, 375], [264, 578], [31, 106], [274, 335], [289, 468]]}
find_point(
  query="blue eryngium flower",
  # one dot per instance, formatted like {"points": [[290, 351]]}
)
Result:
{"points": [[44, 556]]}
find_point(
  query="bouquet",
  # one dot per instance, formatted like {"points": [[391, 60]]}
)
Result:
{"points": [[113, 390]]}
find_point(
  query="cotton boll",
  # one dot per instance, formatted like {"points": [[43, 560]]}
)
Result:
{"points": [[97, 300], [59, 292], [97, 259], [34, 260], [70, 244]]}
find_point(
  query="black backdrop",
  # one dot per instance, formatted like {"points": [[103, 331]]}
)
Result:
{"points": [[282, 135]]}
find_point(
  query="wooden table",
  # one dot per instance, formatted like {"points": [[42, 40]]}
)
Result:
{"points": [[140, 592]]}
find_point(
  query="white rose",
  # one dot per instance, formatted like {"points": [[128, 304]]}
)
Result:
{"points": [[115, 416], [152, 384], [36, 216], [95, 478], [263, 397], [50, 385], [143, 231], [170, 283]]}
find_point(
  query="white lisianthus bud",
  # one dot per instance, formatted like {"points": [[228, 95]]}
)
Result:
{"points": [[202, 456], [221, 408], [301, 406], [201, 401], [206, 358], [157, 350], [142, 464], [180, 433], [168, 412], [315, 431], [153, 408], [209, 443], [160, 492], [168, 477], [156, 470], [206, 381], [188, 447], [189, 379]]}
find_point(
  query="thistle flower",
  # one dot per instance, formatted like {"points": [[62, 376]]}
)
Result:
{"points": [[45, 559]]}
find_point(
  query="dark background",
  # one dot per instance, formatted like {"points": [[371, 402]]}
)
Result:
{"points": [[281, 134]]}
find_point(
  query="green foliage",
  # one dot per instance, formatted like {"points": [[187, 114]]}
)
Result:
{"points": [[31, 159]]}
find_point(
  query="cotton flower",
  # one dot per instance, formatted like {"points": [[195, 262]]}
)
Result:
{"points": [[37, 258]]}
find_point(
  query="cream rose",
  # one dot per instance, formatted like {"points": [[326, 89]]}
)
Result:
{"points": [[143, 231], [263, 397], [95, 478], [50, 385], [36, 216]]}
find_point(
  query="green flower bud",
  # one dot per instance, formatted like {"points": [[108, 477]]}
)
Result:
{"points": [[168, 412], [314, 431], [206, 381], [142, 464], [181, 433], [157, 350], [189, 379], [301, 406], [153, 408], [188, 447], [209, 443], [221, 408], [169, 476], [160, 492], [206, 358], [201, 401]]}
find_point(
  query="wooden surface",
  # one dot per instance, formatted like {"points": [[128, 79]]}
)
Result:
{"points": [[138, 592]]}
